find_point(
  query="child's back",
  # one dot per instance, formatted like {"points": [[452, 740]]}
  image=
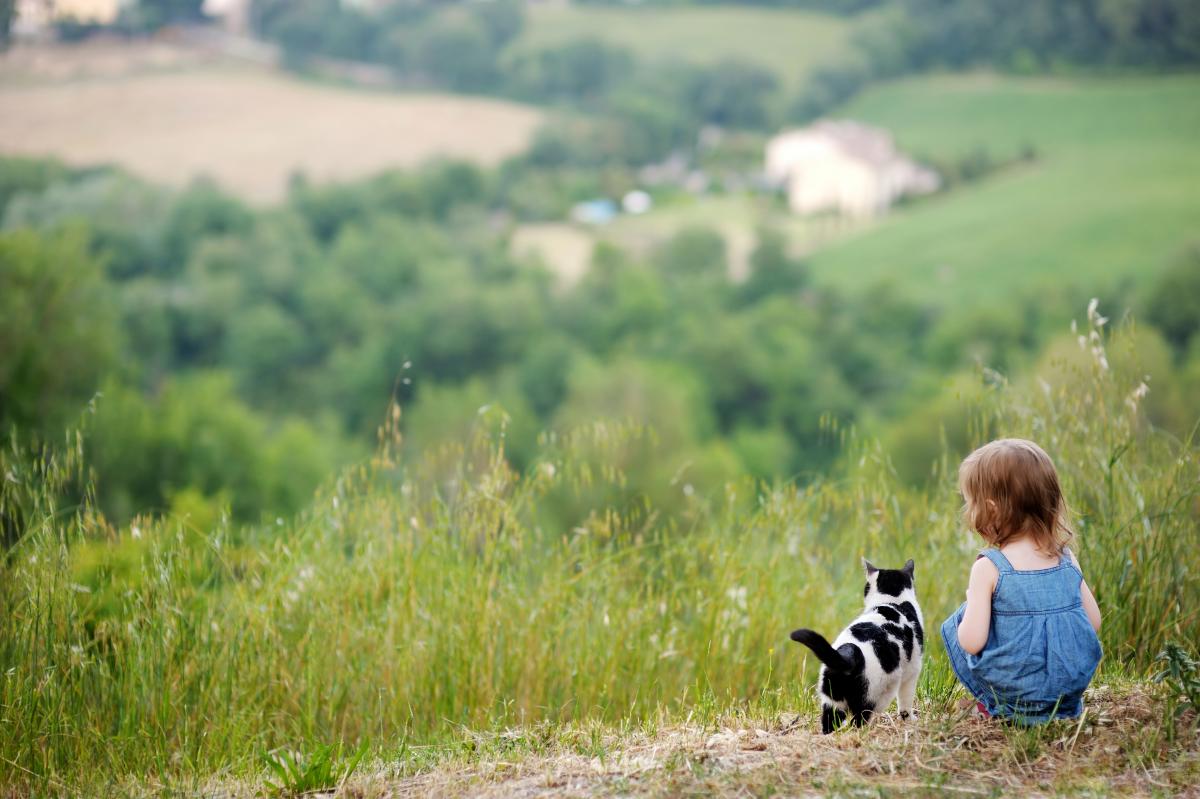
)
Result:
{"points": [[1024, 643], [1041, 650]]}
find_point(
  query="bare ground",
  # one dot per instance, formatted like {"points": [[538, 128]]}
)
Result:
{"points": [[1117, 748]]}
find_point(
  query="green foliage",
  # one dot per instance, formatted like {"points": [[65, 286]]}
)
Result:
{"points": [[1181, 674], [1174, 302], [324, 768], [57, 329], [582, 71], [732, 94], [8, 12], [773, 271], [200, 212], [19, 174], [1022, 37], [457, 53], [125, 218], [196, 434]]}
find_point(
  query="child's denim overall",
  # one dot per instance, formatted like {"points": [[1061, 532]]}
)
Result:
{"points": [[1041, 650]]}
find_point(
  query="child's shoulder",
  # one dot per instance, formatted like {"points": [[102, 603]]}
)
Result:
{"points": [[984, 572]]}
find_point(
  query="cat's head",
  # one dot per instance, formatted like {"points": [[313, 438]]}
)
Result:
{"points": [[887, 585]]}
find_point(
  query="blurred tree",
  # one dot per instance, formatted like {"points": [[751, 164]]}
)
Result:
{"points": [[450, 415], [196, 434], [673, 464], [201, 210], [19, 175], [582, 71], [125, 218], [57, 329], [1174, 301], [264, 348], [457, 53], [693, 265], [502, 19], [731, 94], [148, 15], [773, 272], [8, 12], [543, 370], [616, 302]]}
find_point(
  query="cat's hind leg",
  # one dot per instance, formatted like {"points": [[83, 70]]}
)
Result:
{"points": [[908, 691]]}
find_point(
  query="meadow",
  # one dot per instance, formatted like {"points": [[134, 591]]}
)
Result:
{"points": [[1107, 200], [789, 43], [1111, 195], [417, 620]]}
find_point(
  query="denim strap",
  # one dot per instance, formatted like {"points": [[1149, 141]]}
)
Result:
{"points": [[998, 560]]}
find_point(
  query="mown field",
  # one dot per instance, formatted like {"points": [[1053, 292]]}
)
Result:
{"points": [[250, 129], [1114, 192], [787, 42]]}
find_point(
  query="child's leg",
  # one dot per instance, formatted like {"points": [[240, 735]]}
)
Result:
{"points": [[908, 693]]}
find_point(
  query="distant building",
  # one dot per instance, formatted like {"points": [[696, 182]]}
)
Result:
{"points": [[35, 16], [843, 166], [594, 212], [636, 202], [232, 15]]}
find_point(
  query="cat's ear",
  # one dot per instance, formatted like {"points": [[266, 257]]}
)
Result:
{"points": [[908, 567], [870, 569]]}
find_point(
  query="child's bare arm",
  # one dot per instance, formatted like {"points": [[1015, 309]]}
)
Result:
{"points": [[977, 619], [1090, 606], [1089, 602]]}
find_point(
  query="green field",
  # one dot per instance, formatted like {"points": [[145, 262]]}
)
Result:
{"points": [[789, 43], [1114, 192]]}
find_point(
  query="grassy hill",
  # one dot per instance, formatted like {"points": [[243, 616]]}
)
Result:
{"points": [[788, 42], [1114, 192]]}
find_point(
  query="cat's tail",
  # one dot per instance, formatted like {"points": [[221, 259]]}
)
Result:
{"points": [[821, 648]]}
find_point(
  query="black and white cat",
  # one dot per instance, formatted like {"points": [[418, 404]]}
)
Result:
{"points": [[877, 658]]}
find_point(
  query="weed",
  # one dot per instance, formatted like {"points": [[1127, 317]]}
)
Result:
{"points": [[1180, 674], [324, 768]]}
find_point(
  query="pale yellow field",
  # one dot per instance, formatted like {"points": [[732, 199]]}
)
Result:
{"points": [[248, 128]]}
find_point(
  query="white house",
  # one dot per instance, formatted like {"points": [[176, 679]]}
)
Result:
{"points": [[35, 17], [843, 166]]}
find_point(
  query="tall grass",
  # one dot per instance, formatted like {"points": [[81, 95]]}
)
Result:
{"points": [[410, 600]]}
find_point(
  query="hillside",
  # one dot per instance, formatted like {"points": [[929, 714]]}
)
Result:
{"points": [[788, 42], [1114, 191]]}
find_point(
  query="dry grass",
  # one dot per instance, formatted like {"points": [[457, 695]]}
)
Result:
{"points": [[1109, 751], [565, 249], [169, 119]]}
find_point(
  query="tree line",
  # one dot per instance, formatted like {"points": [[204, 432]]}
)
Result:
{"points": [[238, 355]]}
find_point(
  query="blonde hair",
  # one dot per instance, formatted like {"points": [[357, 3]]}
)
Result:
{"points": [[1011, 489]]}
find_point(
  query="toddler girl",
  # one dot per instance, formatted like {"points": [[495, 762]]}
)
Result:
{"points": [[1024, 643]]}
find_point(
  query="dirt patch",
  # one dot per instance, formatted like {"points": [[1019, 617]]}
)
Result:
{"points": [[248, 128], [565, 250], [1118, 747]]}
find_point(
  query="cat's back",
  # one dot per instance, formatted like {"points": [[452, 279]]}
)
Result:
{"points": [[889, 635]]}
